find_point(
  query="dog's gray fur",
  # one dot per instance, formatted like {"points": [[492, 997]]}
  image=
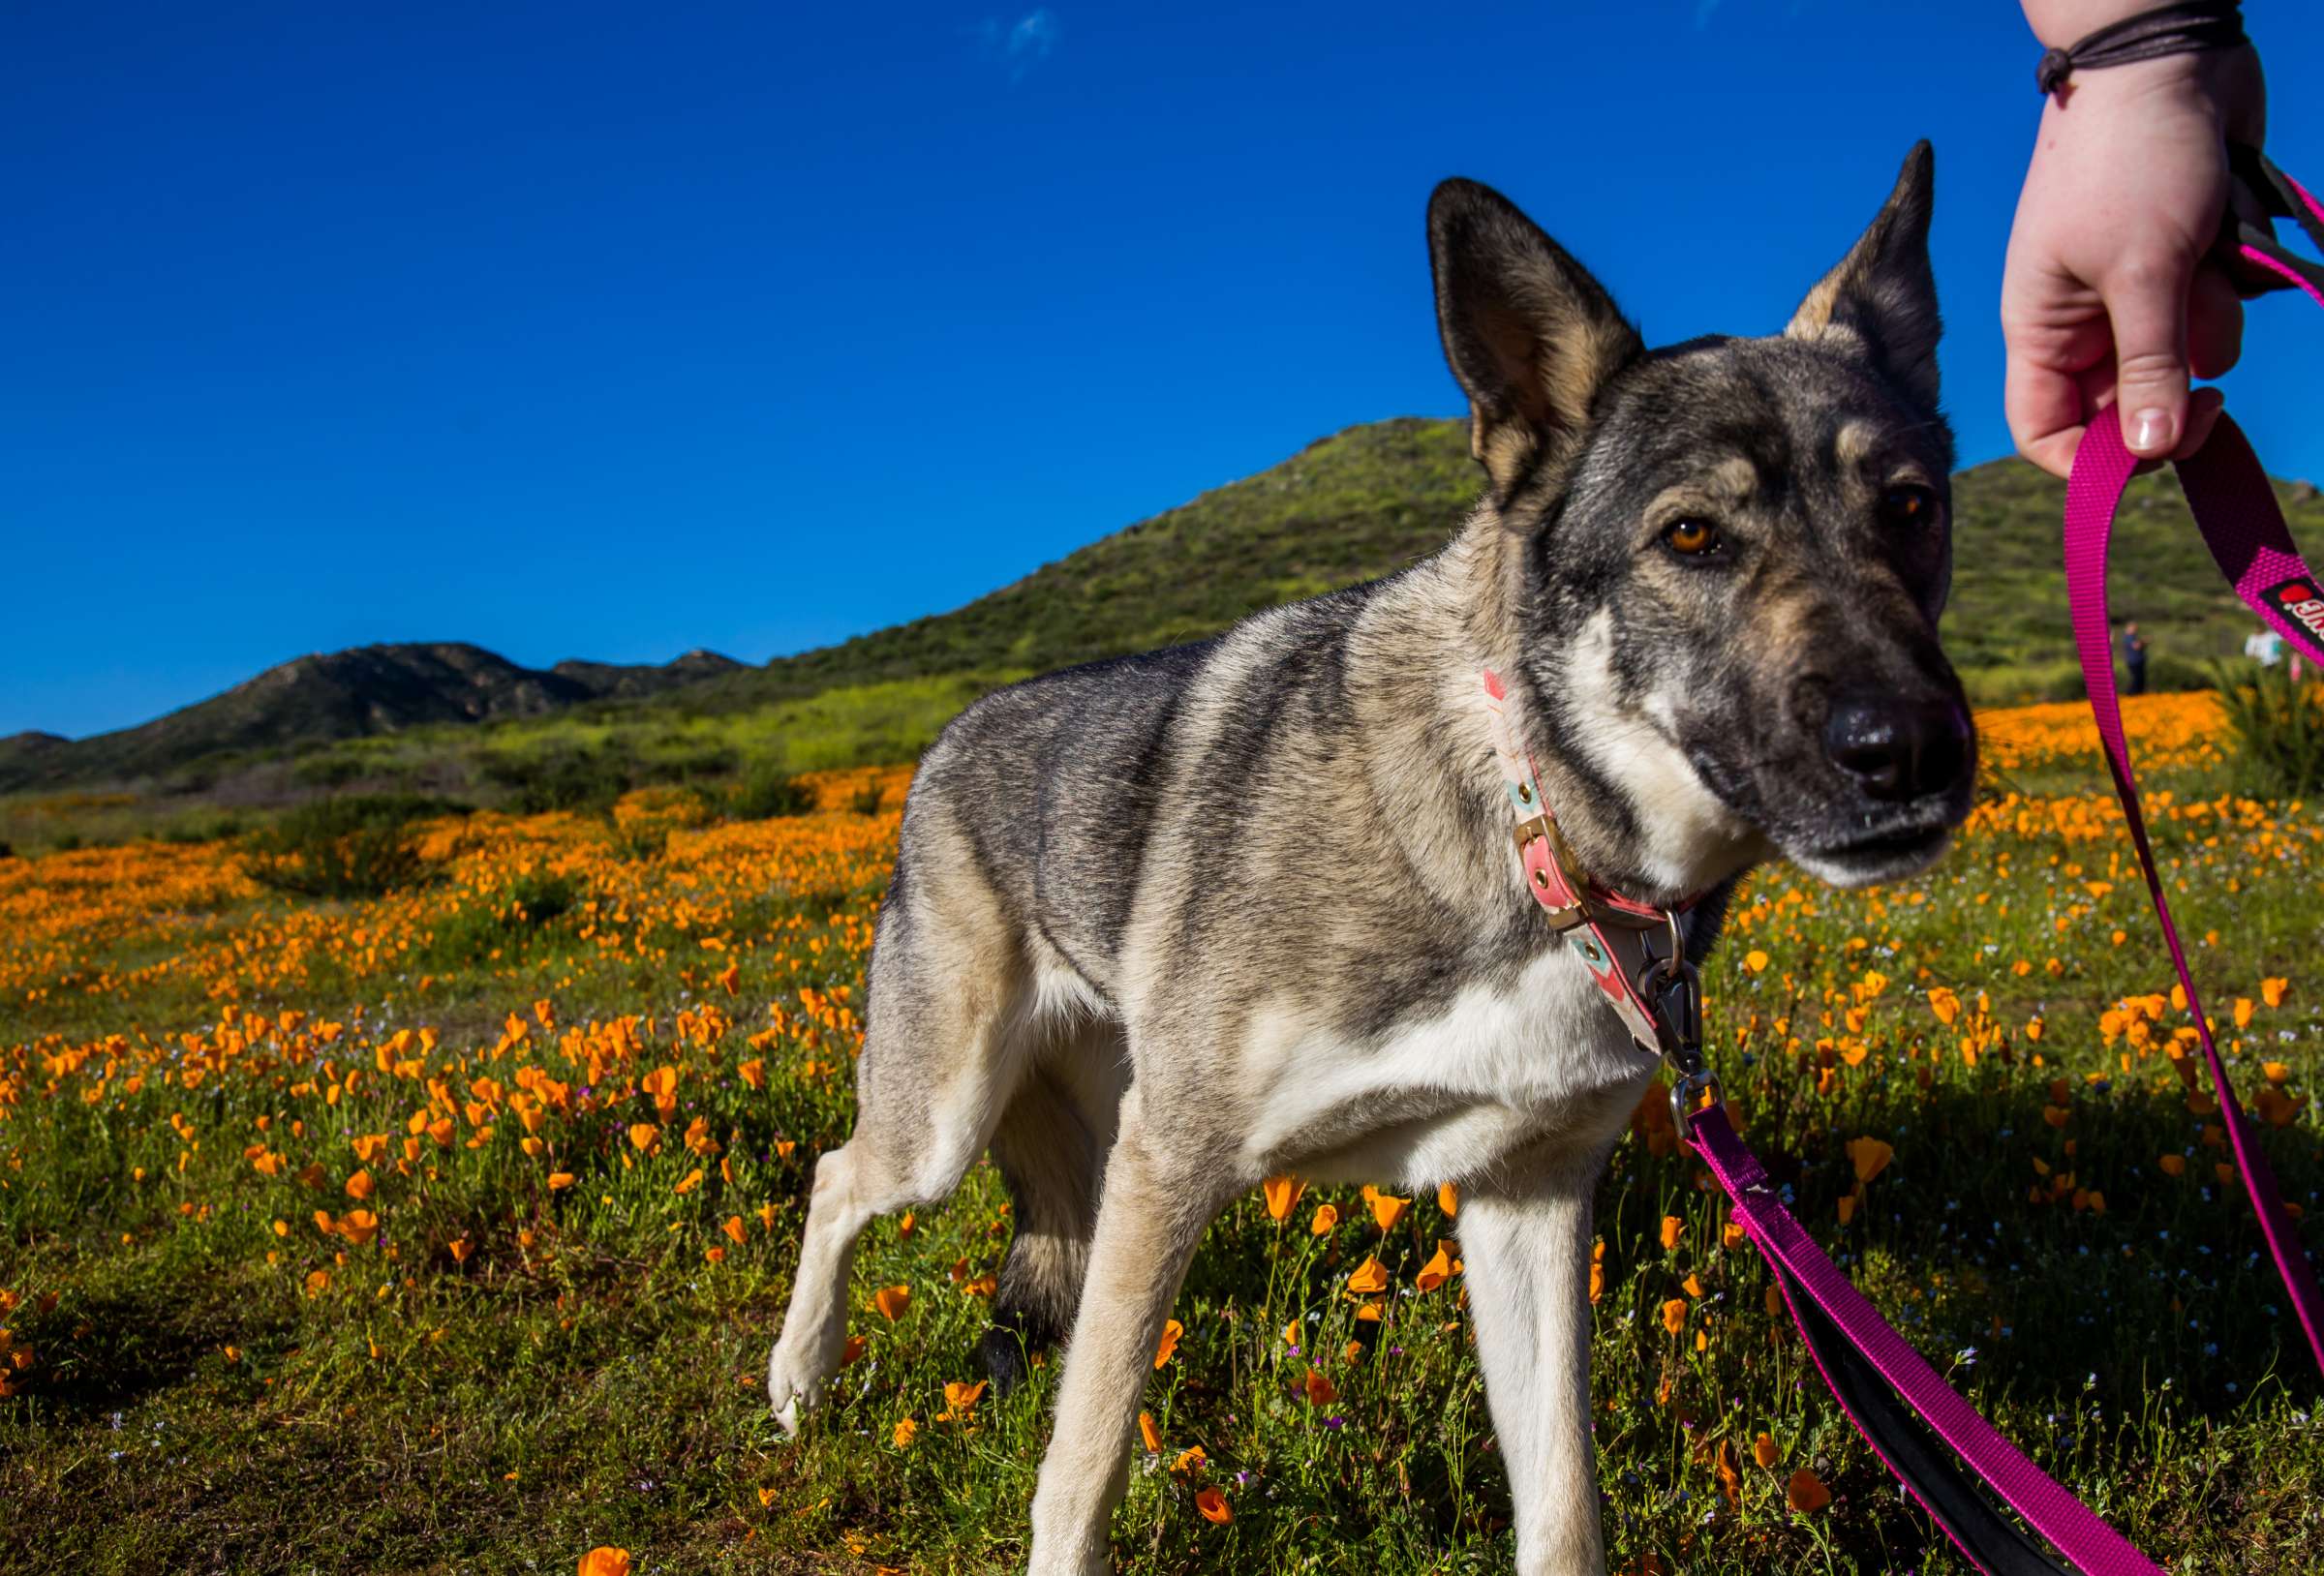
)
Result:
{"points": [[1166, 925]]}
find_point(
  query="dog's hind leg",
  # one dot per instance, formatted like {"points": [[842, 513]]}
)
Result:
{"points": [[1051, 1148], [945, 1026]]}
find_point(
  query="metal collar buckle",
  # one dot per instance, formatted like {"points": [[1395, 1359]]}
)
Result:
{"points": [[1672, 993]]}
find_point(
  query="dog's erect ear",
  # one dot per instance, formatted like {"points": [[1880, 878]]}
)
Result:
{"points": [[1884, 295], [1531, 336]]}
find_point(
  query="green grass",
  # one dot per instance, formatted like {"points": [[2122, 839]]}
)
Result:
{"points": [[585, 1376]]}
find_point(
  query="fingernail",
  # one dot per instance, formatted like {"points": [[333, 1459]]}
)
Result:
{"points": [[2150, 431]]}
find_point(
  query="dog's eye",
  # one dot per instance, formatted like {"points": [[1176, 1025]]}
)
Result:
{"points": [[1909, 505], [1693, 538]]}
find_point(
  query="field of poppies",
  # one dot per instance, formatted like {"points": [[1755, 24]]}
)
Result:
{"points": [[447, 1228]]}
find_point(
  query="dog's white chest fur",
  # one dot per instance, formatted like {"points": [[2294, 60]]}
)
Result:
{"points": [[1450, 1092]]}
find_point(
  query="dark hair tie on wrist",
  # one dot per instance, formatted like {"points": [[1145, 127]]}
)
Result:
{"points": [[2190, 27]]}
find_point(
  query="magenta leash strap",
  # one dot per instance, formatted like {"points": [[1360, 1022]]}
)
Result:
{"points": [[1804, 1272], [2236, 508]]}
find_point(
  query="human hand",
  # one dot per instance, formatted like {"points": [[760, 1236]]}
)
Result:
{"points": [[2109, 296]]}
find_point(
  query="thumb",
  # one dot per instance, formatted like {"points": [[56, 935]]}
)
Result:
{"points": [[2145, 303]]}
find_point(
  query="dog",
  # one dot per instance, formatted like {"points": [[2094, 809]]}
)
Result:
{"points": [[1166, 925]]}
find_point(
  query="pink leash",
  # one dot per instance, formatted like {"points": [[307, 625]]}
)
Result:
{"points": [[1872, 1370], [2236, 508], [2227, 491]]}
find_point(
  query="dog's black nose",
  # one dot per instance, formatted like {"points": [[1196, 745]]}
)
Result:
{"points": [[1898, 749]]}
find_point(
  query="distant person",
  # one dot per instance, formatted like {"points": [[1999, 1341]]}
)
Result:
{"points": [[2264, 647], [2113, 292], [2133, 647]]}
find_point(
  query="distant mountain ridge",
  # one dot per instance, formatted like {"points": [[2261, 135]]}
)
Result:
{"points": [[328, 696]]}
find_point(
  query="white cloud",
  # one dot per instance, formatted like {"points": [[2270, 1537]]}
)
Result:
{"points": [[1021, 44]]}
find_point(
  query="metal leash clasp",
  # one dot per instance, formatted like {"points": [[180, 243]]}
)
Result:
{"points": [[1672, 992]]}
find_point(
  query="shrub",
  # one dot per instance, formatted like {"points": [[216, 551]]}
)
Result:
{"points": [[201, 828], [329, 770], [867, 800], [560, 779], [689, 763], [492, 925], [766, 792], [2275, 731], [361, 845]]}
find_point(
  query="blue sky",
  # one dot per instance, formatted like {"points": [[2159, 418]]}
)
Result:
{"points": [[608, 331]]}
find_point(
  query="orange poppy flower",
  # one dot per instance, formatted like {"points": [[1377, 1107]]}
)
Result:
{"points": [[1447, 1197], [1320, 1391], [1762, 1450], [1870, 1156], [892, 1301], [1282, 1193], [1213, 1506], [1371, 1277], [1172, 1329], [1148, 1434], [1674, 1314], [1436, 1271], [1326, 1218], [1674, 1228], [1805, 1491], [1386, 1208], [643, 1136], [734, 1228], [605, 1561]]}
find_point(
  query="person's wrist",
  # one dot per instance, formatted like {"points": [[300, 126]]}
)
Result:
{"points": [[2224, 89], [2216, 78]]}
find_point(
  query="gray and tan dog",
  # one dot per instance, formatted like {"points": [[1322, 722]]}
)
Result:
{"points": [[1163, 926]]}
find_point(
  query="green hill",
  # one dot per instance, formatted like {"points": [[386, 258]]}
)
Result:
{"points": [[1363, 502], [1348, 508]]}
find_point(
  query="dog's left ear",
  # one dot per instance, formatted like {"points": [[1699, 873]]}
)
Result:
{"points": [[1882, 296], [1530, 334]]}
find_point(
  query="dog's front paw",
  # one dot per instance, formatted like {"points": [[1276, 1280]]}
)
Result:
{"points": [[790, 1391]]}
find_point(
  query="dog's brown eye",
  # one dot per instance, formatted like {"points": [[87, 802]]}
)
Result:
{"points": [[1693, 538], [1909, 504]]}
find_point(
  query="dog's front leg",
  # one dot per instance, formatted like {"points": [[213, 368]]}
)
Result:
{"points": [[1528, 1255], [1150, 1217]]}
